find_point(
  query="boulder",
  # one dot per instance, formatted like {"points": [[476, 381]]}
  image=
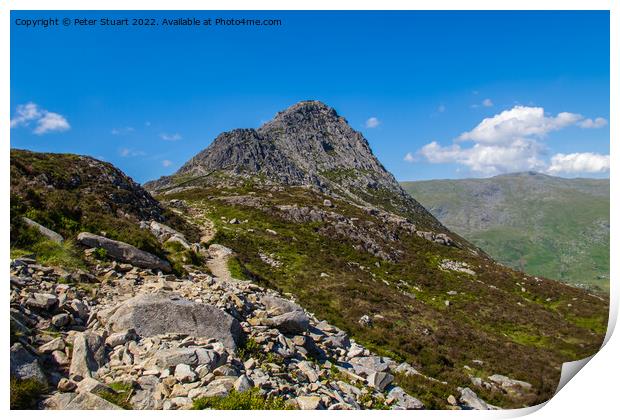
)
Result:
{"points": [[509, 384], [43, 301], [307, 402], [295, 322], [184, 373], [278, 305], [48, 233], [368, 365], [89, 401], [24, 365], [121, 338], [380, 380], [243, 383], [124, 252], [88, 355], [471, 400], [161, 313], [402, 400]]}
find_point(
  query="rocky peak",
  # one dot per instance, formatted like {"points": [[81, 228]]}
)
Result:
{"points": [[307, 144]]}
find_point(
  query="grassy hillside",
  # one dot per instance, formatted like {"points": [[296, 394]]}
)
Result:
{"points": [[70, 194], [514, 324], [543, 225]]}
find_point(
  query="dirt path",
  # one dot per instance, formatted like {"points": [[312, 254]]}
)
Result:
{"points": [[218, 262]]}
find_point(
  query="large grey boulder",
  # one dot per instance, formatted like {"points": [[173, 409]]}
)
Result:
{"points": [[88, 355], [161, 313], [295, 322], [48, 233], [24, 365], [124, 252]]}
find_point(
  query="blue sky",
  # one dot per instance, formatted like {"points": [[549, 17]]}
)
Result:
{"points": [[418, 85]]}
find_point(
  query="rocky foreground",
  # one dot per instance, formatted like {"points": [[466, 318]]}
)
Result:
{"points": [[121, 336]]}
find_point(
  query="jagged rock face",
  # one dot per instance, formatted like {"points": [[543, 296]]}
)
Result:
{"points": [[300, 146], [307, 144]]}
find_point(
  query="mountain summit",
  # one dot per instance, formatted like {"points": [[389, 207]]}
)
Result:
{"points": [[307, 144]]}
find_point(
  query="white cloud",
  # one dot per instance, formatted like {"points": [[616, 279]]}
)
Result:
{"points": [[441, 108], [171, 137], [372, 122], [409, 157], [487, 102], [596, 123], [43, 120], [512, 141], [579, 163], [166, 163], [488, 159], [518, 122]]}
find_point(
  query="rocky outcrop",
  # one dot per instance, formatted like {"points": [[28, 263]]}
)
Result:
{"points": [[124, 252], [154, 314], [174, 340], [48, 233]]}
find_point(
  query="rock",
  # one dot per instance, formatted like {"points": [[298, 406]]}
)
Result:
{"points": [[452, 400], [380, 380], [88, 355], [406, 369], [24, 365], [219, 251], [471, 400], [307, 370], [295, 322], [50, 347], [327, 203], [339, 341], [124, 252], [60, 320], [404, 400], [510, 385], [243, 383], [179, 239], [160, 313], [279, 306], [48, 233], [220, 387], [184, 373], [309, 403], [42, 301], [88, 401], [369, 364], [249, 364], [365, 321], [66, 385], [92, 385], [120, 338]]}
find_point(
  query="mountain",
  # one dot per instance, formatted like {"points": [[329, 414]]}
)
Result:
{"points": [[391, 307], [308, 144], [543, 225]]}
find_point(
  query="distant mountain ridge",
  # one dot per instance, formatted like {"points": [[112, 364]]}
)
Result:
{"points": [[544, 225]]}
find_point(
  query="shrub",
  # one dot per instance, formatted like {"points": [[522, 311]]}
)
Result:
{"points": [[247, 400], [25, 393], [120, 396]]}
